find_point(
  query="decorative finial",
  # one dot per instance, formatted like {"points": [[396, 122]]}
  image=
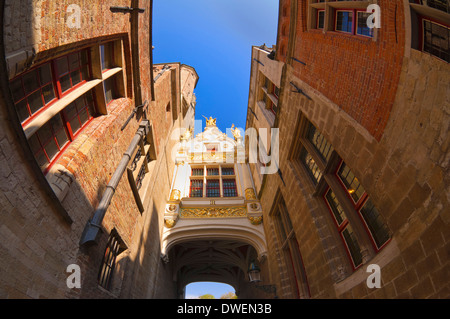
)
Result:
{"points": [[210, 121], [236, 132]]}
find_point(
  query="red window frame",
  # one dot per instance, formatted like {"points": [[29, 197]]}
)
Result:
{"points": [[86, 107], [212, 171], [71, 69], [213, 188], [55, 81], [42, 144], [229, 187], [40, 87], [341, 227], [196, 187], [354, 21], [197, 172], [358, 205], [227, 170]]}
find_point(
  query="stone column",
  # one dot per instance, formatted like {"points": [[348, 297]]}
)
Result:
{"points": [[248, 184], [179, 184]]}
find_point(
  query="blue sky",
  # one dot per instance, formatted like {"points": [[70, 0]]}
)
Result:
{"points": [[215, 37], [196, 289]]}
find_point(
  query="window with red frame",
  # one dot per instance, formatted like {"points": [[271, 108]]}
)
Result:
{"points": [[229, 188], [196, 188], [344, 228], [227, 171], [48, 141], [197, 172], [71, 70], [78, 113], [53, 136], [32, 91], [353, 21], [376, 228], [212, 171], [213, 188]]}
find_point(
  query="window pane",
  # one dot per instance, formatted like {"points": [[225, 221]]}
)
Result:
{"points": [[196, 188], [352, 245], [362, 28], [65, 83], [35, 102], [336, 207], [227, 171], [48, 92], [58, 130], [109, 90], [213, 188], [377, 227], [42, 160], [45, 74], [106, 56], [22, 110], [318, 140], [436, 40], [310, 165], [30, 82], [212, 171], [62, 66], [344, 21], [197, 172], [229, 188], [85, 72], [354, 188], [34, 144], [321, 19], [74, 125], [76, 77], [51, 149], [74, 61]]}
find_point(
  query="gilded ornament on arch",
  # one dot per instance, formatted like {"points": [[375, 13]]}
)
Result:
{"points": [[250, 194], [169, 223], [213, 212], [255, 220], [175, 195]]}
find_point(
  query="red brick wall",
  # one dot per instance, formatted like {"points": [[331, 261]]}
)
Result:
{"points": [[358, 74]]}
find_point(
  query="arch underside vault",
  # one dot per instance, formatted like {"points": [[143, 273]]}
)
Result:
{"points": [[224, 261], [218, 251]]}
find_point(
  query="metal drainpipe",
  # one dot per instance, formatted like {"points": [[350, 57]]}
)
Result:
{"points": [[93, 229]]}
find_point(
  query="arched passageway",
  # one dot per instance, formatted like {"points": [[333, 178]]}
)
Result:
{"points": [[225, 261]]}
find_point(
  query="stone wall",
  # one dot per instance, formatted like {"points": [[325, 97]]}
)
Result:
{"points": [[405, 173], [37, 242]]}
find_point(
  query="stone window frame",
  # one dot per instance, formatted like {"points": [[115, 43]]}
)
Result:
{"points": [[287, 243], [95, 84], [205, 177], [267, 98], [331, 7], [330, 180]]}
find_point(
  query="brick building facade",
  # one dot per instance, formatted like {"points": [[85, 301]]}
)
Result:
{"points": [[363, 149], [77, 85]]}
